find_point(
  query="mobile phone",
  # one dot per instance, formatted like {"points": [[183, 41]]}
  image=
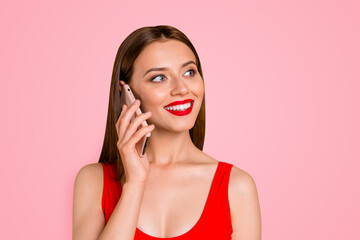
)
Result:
{"points": [[127, 97]]}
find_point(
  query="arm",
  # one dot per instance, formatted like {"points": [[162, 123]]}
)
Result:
{"points": [[88, 217], [244, 204]]}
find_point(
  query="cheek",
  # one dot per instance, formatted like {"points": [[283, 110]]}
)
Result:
{"points": [[152, 101], [199, 88]]}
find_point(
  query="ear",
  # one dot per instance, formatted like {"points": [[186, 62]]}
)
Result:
{"points": [[121, 84]]}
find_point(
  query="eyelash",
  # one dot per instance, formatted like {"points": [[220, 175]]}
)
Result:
{"points": [[191, 70]]}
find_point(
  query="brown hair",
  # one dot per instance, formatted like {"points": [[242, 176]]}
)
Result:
{"points": [[127, 53]]}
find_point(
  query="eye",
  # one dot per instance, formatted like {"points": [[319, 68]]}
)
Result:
{"points": [[191, 71], [159, 77]]}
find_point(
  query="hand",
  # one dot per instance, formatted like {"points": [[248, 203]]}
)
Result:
{"points": [[136, 167]]}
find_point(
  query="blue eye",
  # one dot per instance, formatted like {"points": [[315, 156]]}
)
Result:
{"points": [[157, 77], [192, 72]]}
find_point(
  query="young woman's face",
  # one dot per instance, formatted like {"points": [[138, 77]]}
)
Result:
{"points": [[166, 72]]}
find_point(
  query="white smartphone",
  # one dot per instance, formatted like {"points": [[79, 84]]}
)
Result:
{"points": [[127, 97]]}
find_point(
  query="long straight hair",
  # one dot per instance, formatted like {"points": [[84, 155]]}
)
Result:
{"points": [[127, 53]]}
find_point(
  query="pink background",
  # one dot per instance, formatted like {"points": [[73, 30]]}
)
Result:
{"points": [[282, 94]]}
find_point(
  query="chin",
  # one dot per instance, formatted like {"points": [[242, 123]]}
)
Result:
{"points": [[176, 126]]}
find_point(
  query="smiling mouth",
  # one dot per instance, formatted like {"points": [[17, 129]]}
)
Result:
{"points": [[180, 107]]}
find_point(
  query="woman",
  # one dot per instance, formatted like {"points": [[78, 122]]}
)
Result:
{"points": [[175, 190]]}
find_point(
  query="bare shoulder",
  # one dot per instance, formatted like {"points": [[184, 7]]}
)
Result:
{"points": [[91, 168], [241, 182], [89, 183], [88, 217], [243, 201], [90, 174]]}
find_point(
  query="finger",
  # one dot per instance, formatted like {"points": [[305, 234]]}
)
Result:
{"points": [[135, 138], [134, 125], [123, 110], [124, 121], [131, 111]]}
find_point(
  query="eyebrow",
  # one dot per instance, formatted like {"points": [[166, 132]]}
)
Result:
{"points": [[164, 68]]}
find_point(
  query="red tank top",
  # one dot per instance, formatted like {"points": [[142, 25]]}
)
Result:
{"points": [[215, 221]]}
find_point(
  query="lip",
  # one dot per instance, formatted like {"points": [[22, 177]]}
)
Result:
{"points": [[179, 102], [184, 112]]}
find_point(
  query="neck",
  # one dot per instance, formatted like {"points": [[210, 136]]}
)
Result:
{"points": [[166, 148]]}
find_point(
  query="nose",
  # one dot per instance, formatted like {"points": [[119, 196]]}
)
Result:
{"points": [[179, 87]]}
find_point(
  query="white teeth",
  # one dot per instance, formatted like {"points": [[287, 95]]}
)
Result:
{"points": [[181, 107]]}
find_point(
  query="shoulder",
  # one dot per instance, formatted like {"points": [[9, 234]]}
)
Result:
{"points": [[90, 172], [240, 181], [242, 190], [89, 179], [88, 216]]}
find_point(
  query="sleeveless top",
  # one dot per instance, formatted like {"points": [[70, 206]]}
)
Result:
{"points": [[214, 222]]}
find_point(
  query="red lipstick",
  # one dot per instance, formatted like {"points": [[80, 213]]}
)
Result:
{"points": [[179, 102], [180, 112]]}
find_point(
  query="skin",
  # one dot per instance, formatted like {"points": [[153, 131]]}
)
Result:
{"points": [[170, 141], [172, 203]]}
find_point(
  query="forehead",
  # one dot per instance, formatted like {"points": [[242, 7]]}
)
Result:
{"points": [[169, 53]]}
